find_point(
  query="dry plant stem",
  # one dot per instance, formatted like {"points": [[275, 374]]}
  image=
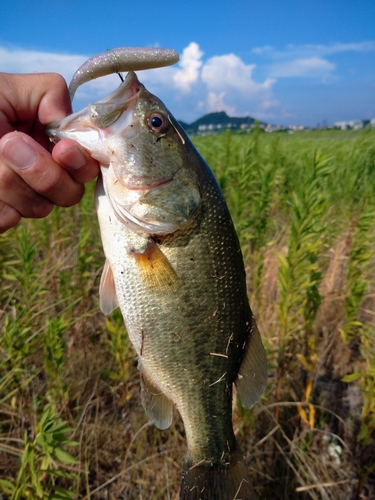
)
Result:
{"points": [[322, 485], [123, 472], [58, 353]]}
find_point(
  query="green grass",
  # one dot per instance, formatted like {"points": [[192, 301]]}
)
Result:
{"points": [[71, 422]]}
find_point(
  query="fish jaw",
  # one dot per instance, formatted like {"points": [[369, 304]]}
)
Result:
{"points": [[146, 172], [95, 126]]}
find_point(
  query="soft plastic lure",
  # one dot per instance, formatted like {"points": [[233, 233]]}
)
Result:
{"points": [[121, 59]]}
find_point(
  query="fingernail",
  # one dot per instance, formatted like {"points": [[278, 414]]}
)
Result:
{"points": [[73, 158], [18, 153]]}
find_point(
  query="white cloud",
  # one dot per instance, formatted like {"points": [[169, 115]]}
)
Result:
{"points": [[316, 67], [334, 48], [310, 50], [231, 86], [215, 102], [190, 64], [266, 105], [226, 71], [262, 50], [224, 82], [19, 60], [16, 60], [306, 61]]}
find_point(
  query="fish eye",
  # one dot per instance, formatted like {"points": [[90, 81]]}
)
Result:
{"points": [[158, 123]]}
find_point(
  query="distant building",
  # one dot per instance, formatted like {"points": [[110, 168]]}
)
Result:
{"points": [[274, 128], [279, 128], [296, 127], [350, 125], [219, 122]]}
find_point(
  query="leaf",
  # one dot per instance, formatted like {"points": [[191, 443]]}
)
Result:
{"points": [[352, 377], [40, 440], [308, 389], [61, 494], [61, 473], [364, 433], [312, 416], [64, 457], [302, 413], [62, 427], [6, 486], [303, 362]]}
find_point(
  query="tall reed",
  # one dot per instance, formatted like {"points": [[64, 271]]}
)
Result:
{"points": [[303, 205]]}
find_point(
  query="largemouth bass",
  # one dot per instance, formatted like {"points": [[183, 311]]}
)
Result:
{"points": [[175, 269]]}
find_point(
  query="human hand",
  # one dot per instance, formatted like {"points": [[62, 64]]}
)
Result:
{"points": [[35, 174]]}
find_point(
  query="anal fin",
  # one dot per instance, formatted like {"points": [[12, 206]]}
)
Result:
{"points": [[158, 407], [253, 372]]}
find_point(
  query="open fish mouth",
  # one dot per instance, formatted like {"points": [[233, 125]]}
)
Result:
{"points": [[140, 184], [97, 120]]}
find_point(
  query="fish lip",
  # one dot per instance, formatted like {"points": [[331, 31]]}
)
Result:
{"points": [[146, 187], [52, 130], [132, 80], [130, 87]]}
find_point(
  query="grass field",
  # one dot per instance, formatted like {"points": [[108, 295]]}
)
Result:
{"points": [[71, 422]]}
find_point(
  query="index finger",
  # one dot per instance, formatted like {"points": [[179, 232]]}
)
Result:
{"points": [[36, 167], [43, 96], [76, 160]]}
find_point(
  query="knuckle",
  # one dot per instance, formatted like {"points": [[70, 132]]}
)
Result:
{"points": [[54, 80], [57, 81], [42, 209], [75, 196], [50, 182], [57, 186], [8, 178], [9, 217]]}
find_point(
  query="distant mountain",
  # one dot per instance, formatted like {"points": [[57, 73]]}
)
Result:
{"points": [[184, 125], [217, 122]]}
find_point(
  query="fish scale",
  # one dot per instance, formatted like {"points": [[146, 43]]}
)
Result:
{"points": [[174, 267], [202, 329]]}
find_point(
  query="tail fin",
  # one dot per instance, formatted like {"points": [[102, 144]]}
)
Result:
{"points": [[205, 481]]}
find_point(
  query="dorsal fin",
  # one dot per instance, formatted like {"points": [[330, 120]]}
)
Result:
{"points": [[253, 372], [107, 290], [156, 271], [158, 407]]}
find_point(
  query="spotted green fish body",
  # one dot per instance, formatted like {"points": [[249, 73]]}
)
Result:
{"points": [[175, 269]]}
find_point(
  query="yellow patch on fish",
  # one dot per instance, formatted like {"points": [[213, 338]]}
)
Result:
{"points": [[156, 271]]}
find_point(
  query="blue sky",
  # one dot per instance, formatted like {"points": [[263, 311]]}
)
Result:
{"points": [[281, 61]]}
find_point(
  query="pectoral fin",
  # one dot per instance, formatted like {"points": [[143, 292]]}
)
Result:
{"points": [[155, 269], [107, 290], [253, 373], [157, 406]]}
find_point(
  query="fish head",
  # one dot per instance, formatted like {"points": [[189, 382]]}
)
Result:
{"points": [[145, 159]]}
